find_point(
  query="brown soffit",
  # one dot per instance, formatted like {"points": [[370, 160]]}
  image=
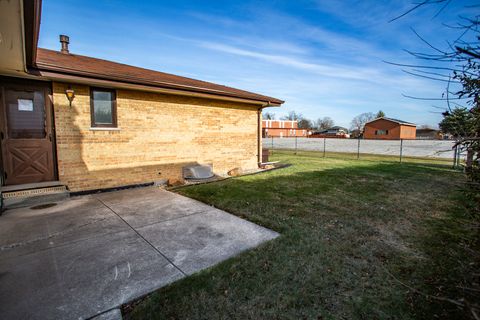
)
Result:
{"points": [[61, 77], [32, 11], [77, 65]]}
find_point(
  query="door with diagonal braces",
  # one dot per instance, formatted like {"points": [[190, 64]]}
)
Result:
{"points": [[26, 132]]}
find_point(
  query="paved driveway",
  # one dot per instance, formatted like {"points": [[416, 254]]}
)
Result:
{"points": [[91, 254]]}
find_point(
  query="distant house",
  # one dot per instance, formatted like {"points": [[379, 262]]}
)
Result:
{"points": [[333, 132], [356, 133], [389, 129], [429, 134], [282, 129]]}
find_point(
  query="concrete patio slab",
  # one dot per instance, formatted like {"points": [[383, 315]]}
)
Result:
{"points": [[82, 279], [24, 230], [89, 255], [199, 241], [155, 206]]}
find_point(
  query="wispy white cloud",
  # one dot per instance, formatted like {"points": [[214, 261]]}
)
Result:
{"points": [[327, 70], [372, 73]]}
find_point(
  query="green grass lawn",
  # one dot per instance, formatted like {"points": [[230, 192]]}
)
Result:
{"points": [[360, 239]]}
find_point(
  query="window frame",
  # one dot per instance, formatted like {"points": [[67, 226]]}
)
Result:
{"points": [[381, 132], [114, 123]]}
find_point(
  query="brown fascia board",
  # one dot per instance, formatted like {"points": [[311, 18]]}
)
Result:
{"points": [[75, 65], [65, 73], [142, 85], [32, 12]]}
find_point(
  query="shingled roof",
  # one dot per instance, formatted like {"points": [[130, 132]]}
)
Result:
{"points": [[394, 120], [78, 65]]}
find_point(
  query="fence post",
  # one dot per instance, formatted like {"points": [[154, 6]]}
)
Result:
{"points": [[401, 149], [358, 149], [324, 143], [295, 145], [271, 151]]}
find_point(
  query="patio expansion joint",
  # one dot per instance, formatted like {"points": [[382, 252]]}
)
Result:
{"points": [[144, 239]]}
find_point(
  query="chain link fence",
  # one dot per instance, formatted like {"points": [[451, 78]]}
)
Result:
{"points": [[399, 150]]}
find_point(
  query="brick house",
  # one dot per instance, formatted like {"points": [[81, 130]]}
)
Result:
{"points": [[282, 129], [333, 132], [93, 124], [389, 129]]}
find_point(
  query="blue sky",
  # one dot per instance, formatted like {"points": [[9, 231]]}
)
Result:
{"points": [[325, 58]]}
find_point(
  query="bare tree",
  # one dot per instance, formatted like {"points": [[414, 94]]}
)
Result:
{"points": [[324, 123], [292, 116], [305, 124], [457, 65], [359, 121], [268, 115]]}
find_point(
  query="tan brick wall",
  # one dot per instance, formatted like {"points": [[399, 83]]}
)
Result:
{"points": [[158, 134]]}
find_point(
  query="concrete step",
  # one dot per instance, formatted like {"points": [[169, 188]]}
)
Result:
{"points": [[32, 194]]}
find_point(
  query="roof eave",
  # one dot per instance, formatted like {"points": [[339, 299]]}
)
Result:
{"points": [[274, 104], [42, 68], [144, 86]]}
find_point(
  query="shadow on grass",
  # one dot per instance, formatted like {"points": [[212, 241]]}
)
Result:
{"points": [[343, 224]]}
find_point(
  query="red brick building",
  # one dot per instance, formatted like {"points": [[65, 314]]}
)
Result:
{"points": [[389, 129], [282, 129]]}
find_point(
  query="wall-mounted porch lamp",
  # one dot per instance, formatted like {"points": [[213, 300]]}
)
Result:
{"points": [[70, 94]]}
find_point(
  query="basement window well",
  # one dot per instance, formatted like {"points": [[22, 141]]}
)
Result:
{"points": [[197, 172]]}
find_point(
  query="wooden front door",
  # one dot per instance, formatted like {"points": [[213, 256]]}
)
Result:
{"points": [[26, 131]]}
